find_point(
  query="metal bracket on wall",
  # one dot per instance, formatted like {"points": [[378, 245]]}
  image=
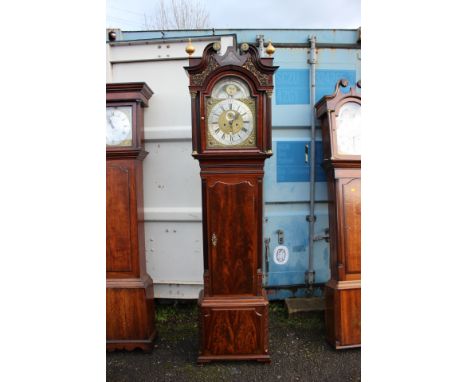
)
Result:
{"points": [[325, 236], [280, 233]]}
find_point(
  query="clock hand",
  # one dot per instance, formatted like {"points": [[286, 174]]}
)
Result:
{"points": [[110, 121]]}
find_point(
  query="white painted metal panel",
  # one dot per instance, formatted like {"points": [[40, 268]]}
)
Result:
{"points": [[174, 258], [172, 187], [150, 50]]}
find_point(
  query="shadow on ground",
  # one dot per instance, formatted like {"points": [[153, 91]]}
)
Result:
{"points": [[297, 345]]}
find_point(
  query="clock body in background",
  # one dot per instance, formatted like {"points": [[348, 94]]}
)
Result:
{"points": [[231, 138], [130, 314], [340, 117]]}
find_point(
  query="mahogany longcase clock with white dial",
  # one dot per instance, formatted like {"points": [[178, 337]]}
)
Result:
{"points": [[129, 289], [340, 116], [231, 138]]}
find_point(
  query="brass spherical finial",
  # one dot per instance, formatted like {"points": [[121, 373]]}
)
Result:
{"points": [[245, 47], [270, 49], [217, 46], [190, 49]]}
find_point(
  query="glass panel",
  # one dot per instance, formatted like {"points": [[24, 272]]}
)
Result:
{"points": [[119, 126], [348, 129]]}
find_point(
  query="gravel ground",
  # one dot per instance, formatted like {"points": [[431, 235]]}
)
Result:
{"points": [[297, 347]]}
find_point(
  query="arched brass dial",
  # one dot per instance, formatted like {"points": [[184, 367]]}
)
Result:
{"points": [[231, 115]]}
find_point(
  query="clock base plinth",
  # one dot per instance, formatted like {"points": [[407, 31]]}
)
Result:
{"points": [[130, 321], [146, 346], [343, 314], [233, 329]]}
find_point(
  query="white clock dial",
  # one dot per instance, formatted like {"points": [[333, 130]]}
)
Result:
{"points": [[119, 126], [230, 122], [348, 129]]}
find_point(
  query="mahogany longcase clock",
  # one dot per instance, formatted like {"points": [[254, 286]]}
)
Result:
{"points": [[231, 137], [340, 116], [129, 289]]}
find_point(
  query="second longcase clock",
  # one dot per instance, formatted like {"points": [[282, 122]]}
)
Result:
{"points": [[129, 288], [231, 135], [340, 116]]}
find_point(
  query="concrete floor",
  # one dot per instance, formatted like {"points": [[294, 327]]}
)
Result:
{"points": [[298, 351]]}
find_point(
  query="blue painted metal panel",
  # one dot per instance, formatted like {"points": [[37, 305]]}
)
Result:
{"points": [[291, 58], [321, 258], [290, 164], [292, 87], [292, 221], [299, 191], [283, 191], [320, 175], [326, 80], [318, 170], [293, 107]]}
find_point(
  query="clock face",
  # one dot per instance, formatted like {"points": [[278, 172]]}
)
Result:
{"points": [[230, 122], [231, 115], [119, 126], [348, 129]]}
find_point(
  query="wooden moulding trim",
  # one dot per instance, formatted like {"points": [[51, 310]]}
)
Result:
{"points": [[222, 166], [126, 154], [128, 91], [230, 172], [129, 345], [229, 154], [342, 163], [335, 284], [129, 283], [233, 302]]}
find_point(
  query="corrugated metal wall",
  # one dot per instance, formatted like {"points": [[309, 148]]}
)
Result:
{"points": [[171, 176]]}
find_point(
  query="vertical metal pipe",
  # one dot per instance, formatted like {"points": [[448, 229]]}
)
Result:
{"points": [[261, 47], [312, 61]]}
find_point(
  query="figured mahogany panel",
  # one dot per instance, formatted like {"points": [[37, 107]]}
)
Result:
{"points": [[232, 236], [129, 314], [351, 199], [118, 218], [233, 331], [350, 324]]}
